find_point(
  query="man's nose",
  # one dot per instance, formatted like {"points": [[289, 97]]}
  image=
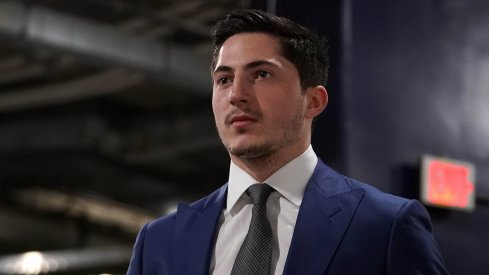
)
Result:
{"points": [[240, 92]]}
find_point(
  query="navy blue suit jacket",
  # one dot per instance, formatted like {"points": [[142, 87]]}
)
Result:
{"points": [[344, 227]]}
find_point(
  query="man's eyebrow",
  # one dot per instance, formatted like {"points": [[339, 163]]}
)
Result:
{"points": [[258, 63], [222, 69], [248, 66]]}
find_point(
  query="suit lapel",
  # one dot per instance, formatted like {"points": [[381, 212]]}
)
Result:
{"points": [[194, 233], [326, 211]]}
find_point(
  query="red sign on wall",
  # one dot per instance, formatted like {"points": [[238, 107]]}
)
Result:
{"points": [[447, 183]]}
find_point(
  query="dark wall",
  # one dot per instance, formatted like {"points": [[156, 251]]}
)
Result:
{"points": [[420, 85], [409, 78], [327, 21]]}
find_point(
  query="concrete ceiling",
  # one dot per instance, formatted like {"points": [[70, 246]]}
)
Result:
{"points": [[105, 122]]}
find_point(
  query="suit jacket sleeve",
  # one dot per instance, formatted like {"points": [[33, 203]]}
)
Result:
{"points": [[136, 265], [412, 248]]}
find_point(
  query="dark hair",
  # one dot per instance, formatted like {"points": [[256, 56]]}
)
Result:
{"points": [[300, 46]]}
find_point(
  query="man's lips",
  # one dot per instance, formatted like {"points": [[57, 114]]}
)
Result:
{"points": [[241, 120], [237, 119]]}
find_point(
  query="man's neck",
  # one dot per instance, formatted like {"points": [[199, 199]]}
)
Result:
{"points": [[261, 168]]}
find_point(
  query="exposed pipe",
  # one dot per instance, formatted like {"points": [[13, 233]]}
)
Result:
{"points": [[172, 64], [106, 82]]}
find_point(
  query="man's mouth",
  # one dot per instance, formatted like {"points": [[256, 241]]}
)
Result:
{"points": [[241, 120]]}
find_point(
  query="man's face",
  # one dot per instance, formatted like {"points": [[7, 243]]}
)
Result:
{"points": [[258, 103]]}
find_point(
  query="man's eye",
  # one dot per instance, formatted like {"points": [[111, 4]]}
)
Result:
{"points": [[223, 80], [263, 74]]}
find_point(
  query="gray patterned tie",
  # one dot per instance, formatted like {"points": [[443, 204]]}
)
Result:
{"points": [[255, 255]]}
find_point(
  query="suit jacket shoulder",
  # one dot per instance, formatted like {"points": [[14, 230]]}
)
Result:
{"points": [[349, 227], [179, 243]]}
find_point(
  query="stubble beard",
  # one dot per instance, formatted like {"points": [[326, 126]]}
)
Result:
{"points": [[255, 151], [267, 149]]}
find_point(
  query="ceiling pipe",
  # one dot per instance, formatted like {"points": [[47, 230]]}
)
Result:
{"points": [[173, 65], [106, 82]]}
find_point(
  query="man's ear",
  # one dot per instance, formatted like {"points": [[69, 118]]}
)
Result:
{"points": [[316, 101]]}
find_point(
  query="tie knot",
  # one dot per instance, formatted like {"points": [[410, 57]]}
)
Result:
{"points": [[259, 192]]}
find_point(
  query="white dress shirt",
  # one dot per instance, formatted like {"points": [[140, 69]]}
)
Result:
{"points": [[283, 205]]}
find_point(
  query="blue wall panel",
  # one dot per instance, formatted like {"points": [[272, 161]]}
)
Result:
{"points": [[408, 78]]}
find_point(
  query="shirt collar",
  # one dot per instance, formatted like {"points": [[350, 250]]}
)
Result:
{"points": [[290, 180]]}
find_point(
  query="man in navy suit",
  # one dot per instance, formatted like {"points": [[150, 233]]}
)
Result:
{"points": [[269, 77]]}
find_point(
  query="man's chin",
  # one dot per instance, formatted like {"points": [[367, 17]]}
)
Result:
{"points": [[251, 151]]}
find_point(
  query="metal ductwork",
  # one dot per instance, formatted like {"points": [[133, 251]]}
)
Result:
{"points": [[173, 65]]}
